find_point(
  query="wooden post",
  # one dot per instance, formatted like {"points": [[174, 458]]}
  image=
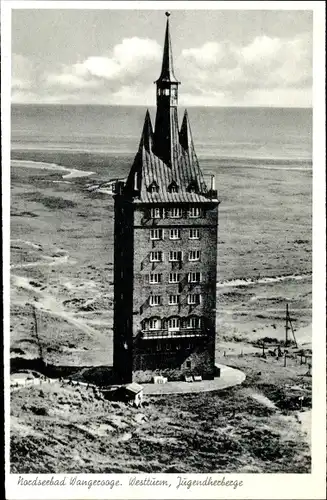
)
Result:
{"points": [[286, 327]]}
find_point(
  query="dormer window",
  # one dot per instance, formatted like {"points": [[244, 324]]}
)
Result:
{"points": [[193, 187], [153, 188], [173, 187]]}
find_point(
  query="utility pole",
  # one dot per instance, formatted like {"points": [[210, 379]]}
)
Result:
{"points": [[37, 334], [286, 326], [289, 326]]}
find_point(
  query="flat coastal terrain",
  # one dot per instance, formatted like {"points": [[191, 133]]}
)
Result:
{"points": [[62, 267]]}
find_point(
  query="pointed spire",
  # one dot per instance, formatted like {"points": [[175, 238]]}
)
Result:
{"points": [[185, 134], [167, 69], [147, 133]]}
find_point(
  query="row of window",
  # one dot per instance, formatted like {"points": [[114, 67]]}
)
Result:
{"points": [[175, 256], [174, 212], [173, 300], [174, 234], [172, 324], [172, 91], [193, 277], [155, 278], [172, 188]]}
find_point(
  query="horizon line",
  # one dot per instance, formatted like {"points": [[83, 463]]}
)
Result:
{"points": [[154, 106]]}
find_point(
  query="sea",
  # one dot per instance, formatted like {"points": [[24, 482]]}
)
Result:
{"points": [[235, 136]]}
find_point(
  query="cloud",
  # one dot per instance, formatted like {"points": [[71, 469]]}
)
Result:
{"points": [[267, 71], [130, 59], [265, 64]]}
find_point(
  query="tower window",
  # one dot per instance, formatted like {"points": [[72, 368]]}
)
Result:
{"points": [[175, 213], [165, 91], [194, 234], [173, 187], [155, 300], [194, 255], [174, 277], [194, 277], [156, 234], [155, 278], [194, 212], [154, 324], [193, 187], [173, 300], [194, 299], [156, 213], [154, 188], [193, 322], [174, 234], [173, 324], [156, 256], [175, 256]]}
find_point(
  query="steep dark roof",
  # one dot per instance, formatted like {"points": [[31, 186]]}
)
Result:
{"points": [[184, 171]]}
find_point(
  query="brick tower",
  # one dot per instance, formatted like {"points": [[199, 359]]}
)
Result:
{"points": [[166, 229]]}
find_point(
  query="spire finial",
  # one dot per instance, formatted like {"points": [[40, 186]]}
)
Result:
{"points": [[167, 70]]}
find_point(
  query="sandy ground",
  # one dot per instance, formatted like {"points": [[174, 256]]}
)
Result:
{"points": [[62, 265]]}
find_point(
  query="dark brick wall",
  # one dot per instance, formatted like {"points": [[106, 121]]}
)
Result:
{"points": [[173, 358], [139, 358], [202, 358], [123, 289]]}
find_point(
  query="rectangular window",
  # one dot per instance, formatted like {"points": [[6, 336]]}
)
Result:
{"points": [[175, 256], [194, 299], [193, 323], [155, 278], [175, 213], [194, 255], [194, 234], [156, 256], [174, 278], [173, 324], [194, 277], [154, 324], [194, 212], [156, 234], [173, 300], [156, 213], [154, 300], [174, 234]]}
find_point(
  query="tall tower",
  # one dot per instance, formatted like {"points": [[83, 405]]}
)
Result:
{"points": [[166, 127], [166, 229]]}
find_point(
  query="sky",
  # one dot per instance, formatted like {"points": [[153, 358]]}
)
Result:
{"points": [[222, 58]]}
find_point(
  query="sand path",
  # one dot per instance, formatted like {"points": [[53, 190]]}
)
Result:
{"points": [[49, 304], [72, 173], [262, 280], [55, 261]]}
